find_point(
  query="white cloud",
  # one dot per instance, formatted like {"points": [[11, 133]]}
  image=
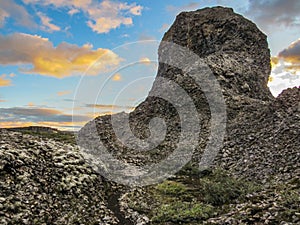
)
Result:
{"points": [[103, 16], [286, 69], [187, 7], [73, 11], [136, 10], [292, 54], [104, 25], [31, 115]]}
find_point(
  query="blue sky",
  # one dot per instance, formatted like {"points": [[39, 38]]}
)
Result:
{"points": [[60, 58]]}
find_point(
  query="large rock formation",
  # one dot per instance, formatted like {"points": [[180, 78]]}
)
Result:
{"points": [[236, 52], [233, 47]]}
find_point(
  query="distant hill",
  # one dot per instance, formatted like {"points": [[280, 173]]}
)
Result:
{"points": [[46, 132], [36, 129]]}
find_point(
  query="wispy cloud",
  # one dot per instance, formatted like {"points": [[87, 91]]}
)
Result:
{"points": [[3, 81], [46, 23], [58, 125], [109, 107], [9, 9], [61, 61], [27, 116], [3, 16], [145, 60], [146, 37], [274, 13], [103, 16], [186, 7], [164, 27], [62, 93], [73, 11]]}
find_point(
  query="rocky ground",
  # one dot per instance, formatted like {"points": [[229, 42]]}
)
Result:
{"points": [[255, 178], [44, 181]]}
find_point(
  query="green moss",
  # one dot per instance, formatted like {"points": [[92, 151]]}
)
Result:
{"points": [[171, 188], [66, 137], [192, 199], [182, 212]]}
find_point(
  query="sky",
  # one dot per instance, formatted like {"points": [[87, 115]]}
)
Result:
{"points": [[63, 62]]}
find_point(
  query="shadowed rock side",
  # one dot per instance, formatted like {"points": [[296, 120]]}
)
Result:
{"points": [[264, 144]]}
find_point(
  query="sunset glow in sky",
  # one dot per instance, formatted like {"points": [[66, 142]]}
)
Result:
{"points": [[46, 46]]}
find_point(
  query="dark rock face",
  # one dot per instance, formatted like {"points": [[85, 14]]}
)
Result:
{"points": [[233, 47], [265, 143]]}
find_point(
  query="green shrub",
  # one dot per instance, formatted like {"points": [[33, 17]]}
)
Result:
{"points": [[171, 188], [219, 188]]}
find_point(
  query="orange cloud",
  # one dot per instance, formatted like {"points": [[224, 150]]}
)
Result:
{"points": [[4, 82], [61, 61], [32, 116], [109, 107], [285, 69], [117, 77], [270, 79], [145, 60], [58, 125], [9, 124], [274, 61], [289, 58], [97, 114], [62, 93], [30, 104]]}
